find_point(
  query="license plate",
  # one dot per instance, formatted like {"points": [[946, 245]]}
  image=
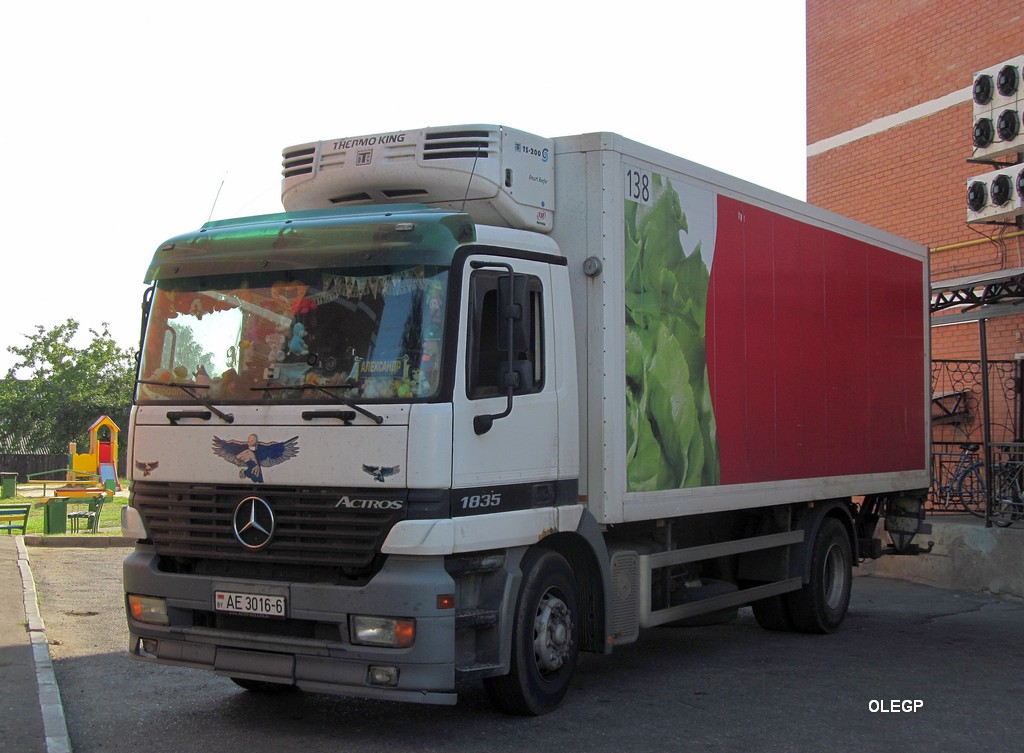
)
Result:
{"points": [[258, 605]]}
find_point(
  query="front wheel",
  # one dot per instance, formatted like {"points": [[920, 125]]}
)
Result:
{"points": [[545, 639], [820, 606]]}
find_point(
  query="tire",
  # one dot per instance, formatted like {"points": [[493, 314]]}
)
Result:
{"points": [[971, 492], [820, 606], [772, 613], [1007, 498], [1005, 512], [545, 639], [262, 686]]}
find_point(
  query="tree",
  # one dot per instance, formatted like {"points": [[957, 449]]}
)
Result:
{"points": [[56, 391]]}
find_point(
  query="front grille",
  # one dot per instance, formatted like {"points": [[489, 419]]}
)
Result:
{"points": [[193, 526]]}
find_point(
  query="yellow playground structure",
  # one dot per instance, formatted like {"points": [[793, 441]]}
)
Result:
{"points": [[89, 478], [101, 460]]}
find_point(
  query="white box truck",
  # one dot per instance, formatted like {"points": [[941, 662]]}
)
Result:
{"points": [[479, 400]]}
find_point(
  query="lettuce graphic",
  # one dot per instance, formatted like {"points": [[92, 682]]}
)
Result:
{"points": [[670, 423]]}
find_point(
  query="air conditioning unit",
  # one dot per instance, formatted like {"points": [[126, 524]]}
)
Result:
{"points": [[998, 86], [999, 133], [998, 94], [498, 175], [996, 196]]}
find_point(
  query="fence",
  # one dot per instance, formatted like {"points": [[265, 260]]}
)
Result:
{"points": [[23, 464], [977, 446]]}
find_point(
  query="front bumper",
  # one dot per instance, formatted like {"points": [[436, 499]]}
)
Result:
{"points": [[311, 648]]}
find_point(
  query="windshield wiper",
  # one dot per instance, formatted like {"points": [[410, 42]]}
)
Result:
{"points": [[326, 390], [189, 389]]}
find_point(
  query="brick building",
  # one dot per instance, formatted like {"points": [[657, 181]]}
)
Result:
{"points": [[890, 120], [889, 133]]}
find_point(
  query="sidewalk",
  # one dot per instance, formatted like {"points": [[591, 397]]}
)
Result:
{"points": [[31, 706], [967, 557]]}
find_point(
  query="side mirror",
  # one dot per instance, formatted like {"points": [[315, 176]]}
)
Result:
{"points": [[514, 313], [515, 322]]}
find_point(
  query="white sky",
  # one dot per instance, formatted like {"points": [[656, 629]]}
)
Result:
{"points": [[122, 119]]}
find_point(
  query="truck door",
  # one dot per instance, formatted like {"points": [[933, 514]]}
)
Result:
{"points": [[508, 462]]}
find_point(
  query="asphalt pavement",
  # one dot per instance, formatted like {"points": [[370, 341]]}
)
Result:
{"points": [[940, 645]]}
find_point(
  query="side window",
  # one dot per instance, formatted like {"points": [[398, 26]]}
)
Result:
{"points": [[488, 361]]}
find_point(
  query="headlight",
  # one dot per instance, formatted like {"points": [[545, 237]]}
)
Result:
{"points": [[148, 609], [393, 632]]}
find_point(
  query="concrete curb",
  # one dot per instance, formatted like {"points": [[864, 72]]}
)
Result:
{"points": [[967, 557], [87, 541], [55, 724]]}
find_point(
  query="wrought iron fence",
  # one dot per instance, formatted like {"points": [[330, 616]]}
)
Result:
{"points": [[977, 447]]}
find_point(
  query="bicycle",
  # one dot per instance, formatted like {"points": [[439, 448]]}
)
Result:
{"points": [[965, 485], [1007, 494]]}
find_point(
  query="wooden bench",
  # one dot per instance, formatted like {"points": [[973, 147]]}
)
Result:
{"points": [[14, 518]]}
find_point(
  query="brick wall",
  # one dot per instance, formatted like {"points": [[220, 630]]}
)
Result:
{"points": [[876, 58], [872, 58], [910, 180]]}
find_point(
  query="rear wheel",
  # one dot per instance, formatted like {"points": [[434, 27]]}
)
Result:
{"points": [[820, 606], [545, 639]]}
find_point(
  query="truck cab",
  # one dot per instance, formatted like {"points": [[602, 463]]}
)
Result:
{"points": [[338, 409]]}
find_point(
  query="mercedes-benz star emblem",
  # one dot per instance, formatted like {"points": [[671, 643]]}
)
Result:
{"points": [[253, 523]]}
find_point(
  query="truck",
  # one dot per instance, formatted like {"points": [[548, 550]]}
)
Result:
{"points": [[478, 401]]}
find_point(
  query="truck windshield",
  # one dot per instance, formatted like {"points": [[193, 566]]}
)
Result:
{"points": [[370, 333]]}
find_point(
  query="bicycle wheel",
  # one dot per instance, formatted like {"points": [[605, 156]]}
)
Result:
{"points": [[968, 489], [1006, 512], [1007, 494]]}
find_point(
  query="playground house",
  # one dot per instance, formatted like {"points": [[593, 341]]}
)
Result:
{"points": [[101, 460]]}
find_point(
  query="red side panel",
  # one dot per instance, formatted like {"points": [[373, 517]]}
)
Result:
{"points": [[815, 348]]}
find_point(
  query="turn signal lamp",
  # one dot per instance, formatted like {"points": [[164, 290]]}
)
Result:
{"points": [[446, 601], [148, 609], [390, 632]]}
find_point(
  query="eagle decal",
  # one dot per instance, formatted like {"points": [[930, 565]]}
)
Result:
{"points": [[147, 466], [252, 455], [379, 473]]}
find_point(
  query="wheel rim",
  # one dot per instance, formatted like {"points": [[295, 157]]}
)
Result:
{"points": [[552, 633], [834, 580]]}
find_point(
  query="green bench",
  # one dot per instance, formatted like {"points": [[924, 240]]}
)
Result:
{"points": [[14, 518]]}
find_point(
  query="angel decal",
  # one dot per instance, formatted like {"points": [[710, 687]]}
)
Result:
{"points": [[252, 455]]}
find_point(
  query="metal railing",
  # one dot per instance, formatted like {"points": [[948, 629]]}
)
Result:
{"points": [[963, 481]]}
